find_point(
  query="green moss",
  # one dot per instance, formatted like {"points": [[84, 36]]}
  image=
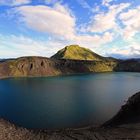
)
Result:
{"points": [[76, 52]]}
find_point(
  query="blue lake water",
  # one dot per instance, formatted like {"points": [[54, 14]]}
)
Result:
{"points": [[65, 101]]}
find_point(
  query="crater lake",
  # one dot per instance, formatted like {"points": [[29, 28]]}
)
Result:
{"points": [[65, 101]]}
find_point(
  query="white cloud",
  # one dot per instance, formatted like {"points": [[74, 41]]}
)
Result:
{"points": [[131, 21], [17, 46], [84, 4], [60, 23], [52, 1], [57, 20], [106, 20], [106, 2], [14, 2], [130, 51], [93, 41]]}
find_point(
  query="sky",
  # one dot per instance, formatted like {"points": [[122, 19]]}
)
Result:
{"points": [[42, 27]]}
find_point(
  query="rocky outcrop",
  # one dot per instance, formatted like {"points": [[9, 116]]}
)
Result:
{"points": [[129, 113], [42, 66], [132, 65]]}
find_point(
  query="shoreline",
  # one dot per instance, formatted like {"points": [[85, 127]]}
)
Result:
{"points": [[42, 66], [70, 74], [9, 131], [114, 129]]}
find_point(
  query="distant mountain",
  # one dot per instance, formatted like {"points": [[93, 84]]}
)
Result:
{"points": [[130, 65], [76, 52], [2, 60], [135, 59]]}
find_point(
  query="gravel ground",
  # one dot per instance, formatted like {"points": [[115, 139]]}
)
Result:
{"points": [[9, 131]]}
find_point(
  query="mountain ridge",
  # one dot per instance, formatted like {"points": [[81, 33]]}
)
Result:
{"points": [[76, 52], [42, 66]]}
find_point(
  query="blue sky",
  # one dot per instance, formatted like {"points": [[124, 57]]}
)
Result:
{"points": [[42, 27]]}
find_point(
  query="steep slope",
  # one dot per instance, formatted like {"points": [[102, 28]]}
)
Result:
{"points": [[41, 66], [131, 65], [70, 60], [129, 113], [28, 66], [77, 53]]}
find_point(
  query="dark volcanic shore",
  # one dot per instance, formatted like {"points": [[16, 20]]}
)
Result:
{"points": [[129, 113], [9, 131], [120, 127]]}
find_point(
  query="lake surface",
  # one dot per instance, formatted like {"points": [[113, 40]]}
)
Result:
{"points": [[65, 101]]}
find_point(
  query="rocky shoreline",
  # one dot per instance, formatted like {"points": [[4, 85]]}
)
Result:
{"points": [[9, 131], [120, 130]]}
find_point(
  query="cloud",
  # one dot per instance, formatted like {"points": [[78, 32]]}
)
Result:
{"points": [[17, 46], [60, 23], [131, 21], [52, 1], [84, 4], [106, 20], [93, 41], [132, 50], [14, 2], [57, 20], [106, 2]]}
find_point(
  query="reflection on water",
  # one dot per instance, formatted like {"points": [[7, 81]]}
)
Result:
{"points": [[67, 101]]}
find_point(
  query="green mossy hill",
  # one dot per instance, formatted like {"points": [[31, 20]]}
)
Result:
{"points": [[77, 53]]}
